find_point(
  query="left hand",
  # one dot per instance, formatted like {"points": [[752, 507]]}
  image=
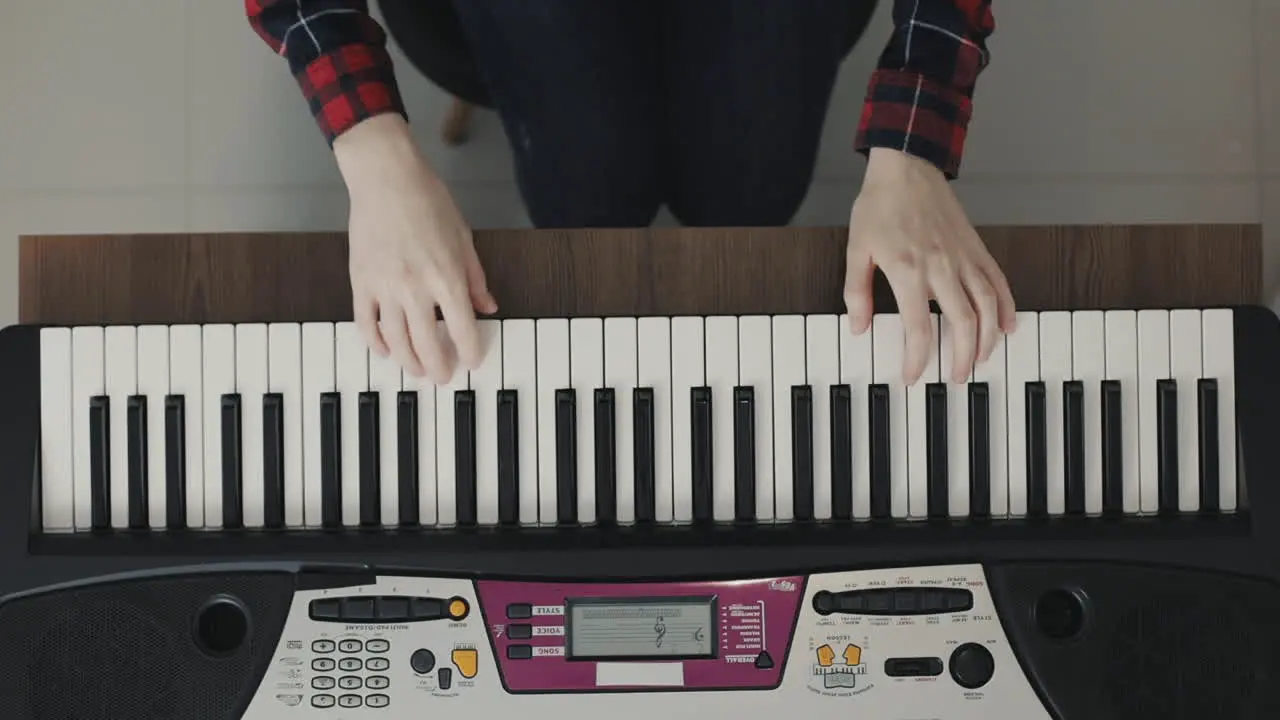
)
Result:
{"points": [[908, 222]]}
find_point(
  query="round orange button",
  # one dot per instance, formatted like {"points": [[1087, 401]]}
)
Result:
{"points": [[458, 608]]}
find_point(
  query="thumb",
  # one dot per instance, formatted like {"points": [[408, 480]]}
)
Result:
{"points": [[481, 299], [858, 296]]}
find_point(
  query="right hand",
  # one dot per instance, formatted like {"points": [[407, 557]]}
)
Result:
{"points": [[411, 251]]}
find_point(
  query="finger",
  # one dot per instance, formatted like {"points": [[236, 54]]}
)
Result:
{"points": [[395, 330], [912, 295], [859, 300], [960, 316], [460, 319], [983, 298], [365, 310], [1008, 310], [481, 299], [426, 337]]}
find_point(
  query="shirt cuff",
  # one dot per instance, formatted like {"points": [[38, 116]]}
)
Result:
{"points": [[348, 85], [908, 112]]}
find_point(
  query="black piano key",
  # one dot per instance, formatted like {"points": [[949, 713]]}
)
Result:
{"points": [[136, 419], [1037, 450], [331, 461], [979, 451], [879, 458], [645, 460], [700, 401], [606, 442], [935, 419], [1167, 445], [802, 452], [175, 462], [368, 447], [1112, 448], [464, 448], [100, 462], [1073, 441], [407, 456], [744, 454], [1207, 409], [841, 452], [232, 464], [508, 457], [566, 457], [273, 460]]}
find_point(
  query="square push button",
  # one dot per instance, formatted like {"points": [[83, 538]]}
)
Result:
{"points": [[327, 610], [393, 609], [357, 609], [519, 611], [519, 652], [519, 631]]}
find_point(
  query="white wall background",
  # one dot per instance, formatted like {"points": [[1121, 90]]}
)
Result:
{"points": [[172, 116]]}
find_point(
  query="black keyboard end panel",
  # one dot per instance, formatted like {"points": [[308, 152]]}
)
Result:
{"points": [[1107, 640]]}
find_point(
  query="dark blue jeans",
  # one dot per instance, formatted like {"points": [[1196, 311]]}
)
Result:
{"points": [[616, 107]]}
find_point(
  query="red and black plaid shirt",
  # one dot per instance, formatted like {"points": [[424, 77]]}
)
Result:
{"points": [[919, 100]]}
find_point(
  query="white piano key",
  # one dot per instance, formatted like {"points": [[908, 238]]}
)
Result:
{"points": [[755, 370], [319, 376], [553, 375], [219, 362], [1153, 365], [88, 381], [688, 370], [121, 356], [822, 368], [888, 349], [586, 373], [284, 376], [654, 368], [386, 379], [57, 431], [428, 398], [446, 476], [1089, 366], [1219, 359], [485, 382], [153, 384], [957, 425], [856, 372], [1122, 365], [1185, 351], [352, 378], [993, 372], [252, 367], [186, 379], [1055, 369], [722, 378], [1022, 357], [520, 373], [788, 372], [917, 431], [621, 373]]}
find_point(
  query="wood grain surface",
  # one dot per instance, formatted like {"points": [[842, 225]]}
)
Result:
{"points": [[143, 279]]}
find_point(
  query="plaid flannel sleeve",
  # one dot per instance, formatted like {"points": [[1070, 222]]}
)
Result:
{"points": [[338, 54], [920, 97]]}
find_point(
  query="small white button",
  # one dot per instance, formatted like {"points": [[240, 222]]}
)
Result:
{"points": [[322, 683], [377, 682], [349, 701], [377, 701], [350, 646], [378, 646], [322, 664], [322, 701], [322, 646], [349, 664], [377, 664], [349, 682]]}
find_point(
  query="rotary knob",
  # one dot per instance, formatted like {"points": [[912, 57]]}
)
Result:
{"points": [[972, 666]]}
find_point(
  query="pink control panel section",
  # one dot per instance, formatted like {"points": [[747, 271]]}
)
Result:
{"points": [[554, 637]]}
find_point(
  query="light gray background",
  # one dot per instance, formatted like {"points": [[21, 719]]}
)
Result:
{"points": [[172, 116]]}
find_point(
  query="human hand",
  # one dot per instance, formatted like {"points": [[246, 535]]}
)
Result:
{"points": [[411, 251], [908, 222]]}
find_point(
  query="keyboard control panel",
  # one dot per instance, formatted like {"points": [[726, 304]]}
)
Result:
{"points": [[923, 642]]}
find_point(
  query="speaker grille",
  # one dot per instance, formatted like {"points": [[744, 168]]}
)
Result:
{"points": [[127, 650]]}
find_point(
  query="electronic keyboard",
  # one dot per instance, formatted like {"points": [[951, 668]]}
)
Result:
{"points": [[267, 521]]}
